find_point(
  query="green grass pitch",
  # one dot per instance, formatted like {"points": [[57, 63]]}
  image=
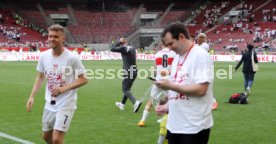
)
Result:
{"points": [[98, 121]]}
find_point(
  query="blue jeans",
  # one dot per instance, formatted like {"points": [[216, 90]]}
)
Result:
{"points": [[248, 79]]}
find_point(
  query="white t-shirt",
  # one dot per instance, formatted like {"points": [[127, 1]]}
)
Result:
{"points": [[57, 73], [191, 114], [204, 45], [163, 62]]}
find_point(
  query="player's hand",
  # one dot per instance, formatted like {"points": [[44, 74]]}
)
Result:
{"points": [[163, 84], [234, 71], [161, 109], [30, 104], [57, 91]]}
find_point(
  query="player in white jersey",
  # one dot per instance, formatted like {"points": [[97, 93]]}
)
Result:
{"points": [[202, 42], [163, 61], [64, 73]]}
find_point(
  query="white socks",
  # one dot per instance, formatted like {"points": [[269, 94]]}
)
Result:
{"points": [[145, 115]]}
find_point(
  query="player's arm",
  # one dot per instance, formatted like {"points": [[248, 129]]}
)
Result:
{"points": [[116, 47], [240, 62], [37, 84], [80, 81], [194, 89]]}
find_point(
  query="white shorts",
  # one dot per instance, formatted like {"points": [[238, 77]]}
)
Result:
{"points": [[57, 120]]}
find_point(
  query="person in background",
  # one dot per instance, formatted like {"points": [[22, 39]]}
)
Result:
{"points": [[247, 70], [202, 42], [163, 62], [128, 53]]}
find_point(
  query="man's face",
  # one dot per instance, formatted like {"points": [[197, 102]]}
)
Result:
{"points": [[123, 42], [200, 39], [56, 39], [173, 44]]}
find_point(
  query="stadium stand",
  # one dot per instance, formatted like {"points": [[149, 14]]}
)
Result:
{"points": [[105, 21]]}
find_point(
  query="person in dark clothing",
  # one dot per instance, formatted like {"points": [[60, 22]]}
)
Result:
{"points": [[247, 70], [130, 72]]}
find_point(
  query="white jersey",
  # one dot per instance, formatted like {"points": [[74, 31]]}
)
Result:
{"points": [[191, 114], [163, 62], [204, 45], [52, 67]]}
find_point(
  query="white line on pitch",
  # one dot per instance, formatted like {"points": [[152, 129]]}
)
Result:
{"points": [[14, 138]]}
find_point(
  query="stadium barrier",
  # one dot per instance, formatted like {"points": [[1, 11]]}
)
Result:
{"points": [[105, 55]]}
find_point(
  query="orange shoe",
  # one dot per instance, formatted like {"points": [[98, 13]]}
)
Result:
{"points": [[215, 106], [141, 124]]}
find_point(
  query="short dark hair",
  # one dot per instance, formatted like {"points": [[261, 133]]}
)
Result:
{"points": [[56, 27], [175, 29], [250, 47]]}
